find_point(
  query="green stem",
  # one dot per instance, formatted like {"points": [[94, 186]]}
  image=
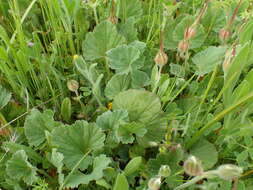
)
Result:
{"points": [[95, 14], [210, 83], [73, 170], [182, 88], [22, 20], [218, 117]]}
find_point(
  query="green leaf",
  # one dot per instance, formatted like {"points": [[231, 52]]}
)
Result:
{"points": [[121, 183], [100, 163], [103, 38], [5, 97], [129, 8], [122, 58], [117, 84], [177, 70], [206, 152], [133, 165], [208, 59], [76, 140], [143, 107], [57, 160], [13, 147], [139, 79], [110, 121], [36, 124], [197, 40], [19, 168], [128, 30], [127, 132]]}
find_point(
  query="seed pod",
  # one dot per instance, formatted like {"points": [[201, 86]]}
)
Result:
{"points": [[193, 167], [66, 109], [183, 46], [224, 34], [190, 32], [229, 171], [164, 171], [154, 183], [161, 58], [73, 85], [113, 19]]}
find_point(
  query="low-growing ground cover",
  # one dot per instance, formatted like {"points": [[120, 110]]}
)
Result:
{"points": [[126, 94]]}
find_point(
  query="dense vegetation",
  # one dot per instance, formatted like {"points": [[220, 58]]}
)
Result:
{"points": [[126, 94]]}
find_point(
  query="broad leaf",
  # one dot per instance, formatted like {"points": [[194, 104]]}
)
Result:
{"points": [[121, 183], [36, 124], [5, 97], [143, 107], [13, 147], [103, 38], [117, 84], [139, 79], [208, 59], [133, 165], [122, 58], [110, 122], [129, 8], [206, 152], [100, 163], [77, 140], [128, 30], [127, 132], [19, 168]]}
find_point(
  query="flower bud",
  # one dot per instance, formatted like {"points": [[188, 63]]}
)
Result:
{"points": [[73, 85], [161, 58], [183, 46], [189, 33], [193, 167], [164, 171], [154, 183], [224, 34], [229, 171], [113, 19]]}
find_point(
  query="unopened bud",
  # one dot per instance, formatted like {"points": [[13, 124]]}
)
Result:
{"points": [[113, 19], [154, 183], [224, 34], [161, 58], [189, 33], [229, 171], [164, 171], [193, 167], [183, 46], [73, 85]]}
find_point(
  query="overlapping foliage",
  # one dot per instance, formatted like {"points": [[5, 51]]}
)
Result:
{"points": [[114, 94]]}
